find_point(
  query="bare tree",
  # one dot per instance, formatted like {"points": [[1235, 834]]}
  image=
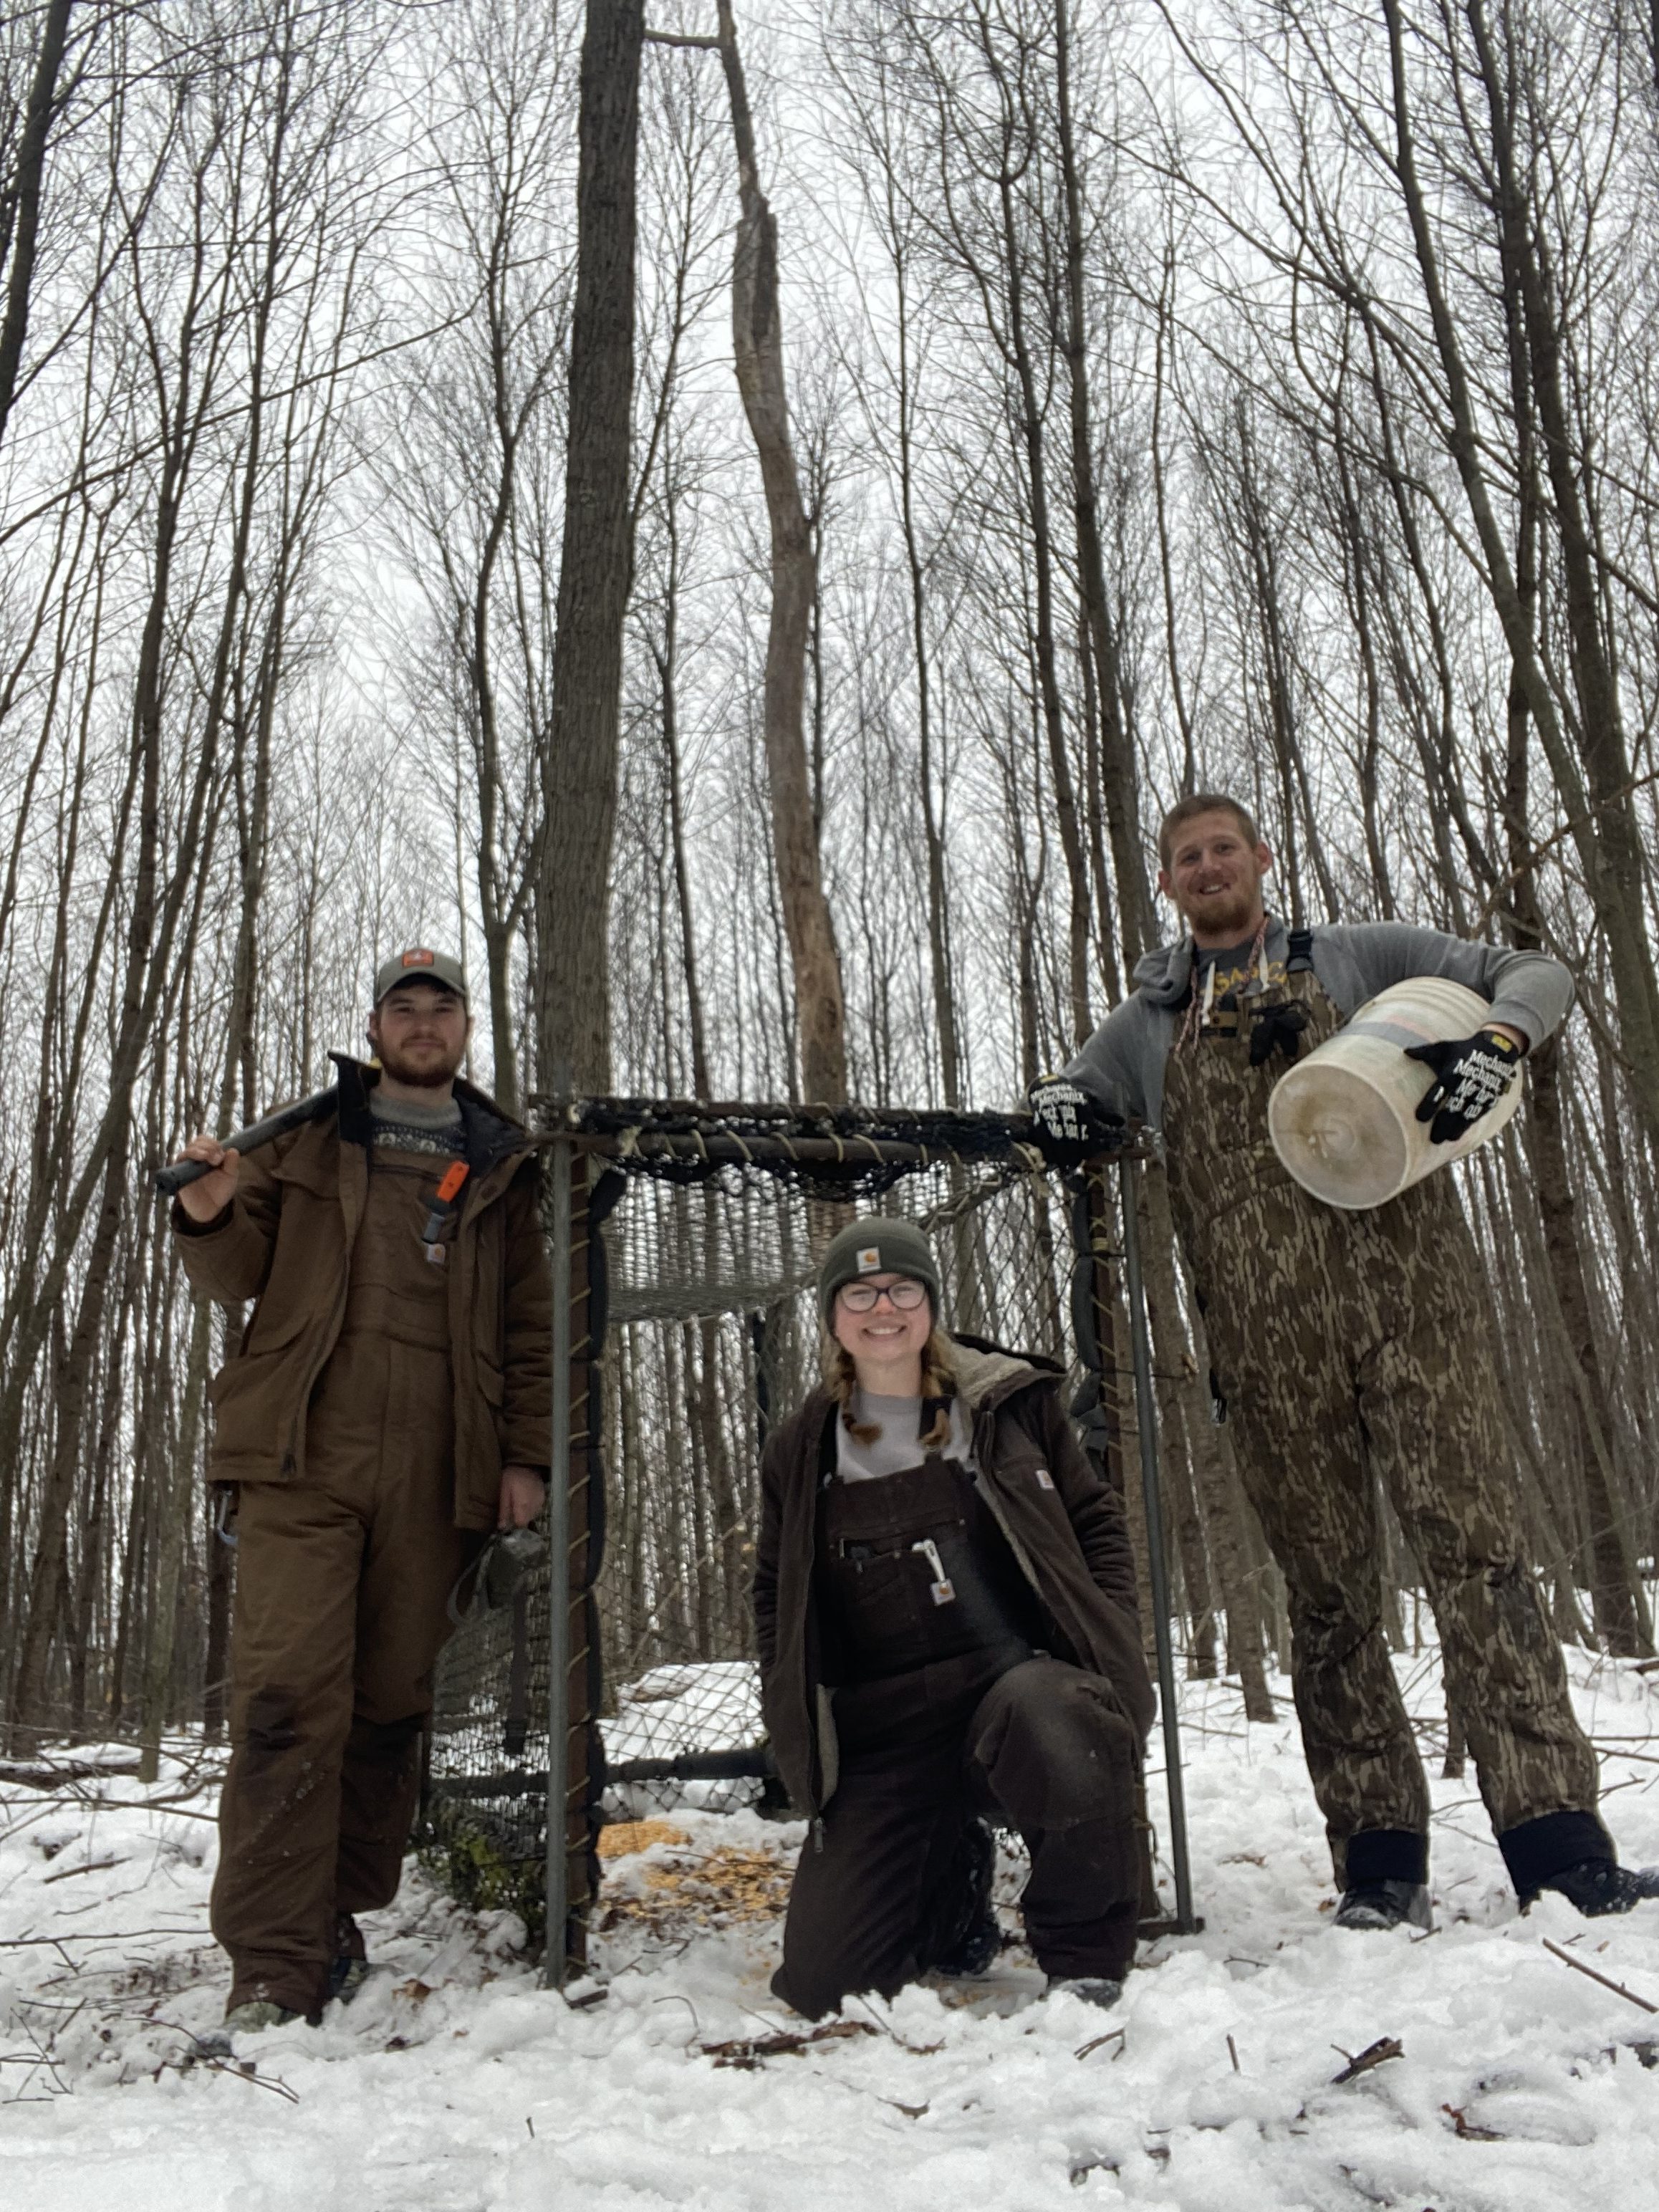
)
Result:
{"points": [[757, 337], [578, 759]]}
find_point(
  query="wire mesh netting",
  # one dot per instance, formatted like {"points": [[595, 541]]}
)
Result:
{"points": [[697, 1267]]}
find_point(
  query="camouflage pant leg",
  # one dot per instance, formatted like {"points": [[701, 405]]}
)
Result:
{"points": [[1302, 1459], [1430, 1401]]}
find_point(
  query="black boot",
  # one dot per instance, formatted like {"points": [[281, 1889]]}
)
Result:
{"points": [[1599, 1887], [350, 1968], [970, 1938], [1093, 1989], [1385, 1904]]}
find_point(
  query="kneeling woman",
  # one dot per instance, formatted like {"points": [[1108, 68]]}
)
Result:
{"points": [[945, 1600]]}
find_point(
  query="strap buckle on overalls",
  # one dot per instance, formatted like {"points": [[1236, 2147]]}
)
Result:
{"points": [[438, 1213], [1280, 1022]]}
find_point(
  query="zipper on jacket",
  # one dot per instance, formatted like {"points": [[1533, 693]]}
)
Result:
{"points": [[808, 1637]]}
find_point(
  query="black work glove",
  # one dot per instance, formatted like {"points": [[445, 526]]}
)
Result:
{"points": [[1276, 1029], [1069, 1124], [1473, 1074]]}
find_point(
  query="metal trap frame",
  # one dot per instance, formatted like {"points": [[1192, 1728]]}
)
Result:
{"points": [[825, 1157]]}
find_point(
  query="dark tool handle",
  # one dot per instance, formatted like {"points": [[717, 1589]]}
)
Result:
{"points": [[172, 1179]]}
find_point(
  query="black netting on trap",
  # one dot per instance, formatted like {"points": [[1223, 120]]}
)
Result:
{"points": [[694, 1327], [482, 1825]]}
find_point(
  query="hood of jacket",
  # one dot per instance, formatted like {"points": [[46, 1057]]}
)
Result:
{"points": [[986, 1373], [492, 1134]]}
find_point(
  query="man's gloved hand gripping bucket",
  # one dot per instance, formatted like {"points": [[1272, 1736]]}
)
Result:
{"points": [[1413, 1081]]}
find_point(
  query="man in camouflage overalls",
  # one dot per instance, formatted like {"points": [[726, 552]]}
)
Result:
{"points": [[1349, 1344]]}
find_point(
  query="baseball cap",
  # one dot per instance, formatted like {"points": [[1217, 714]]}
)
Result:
{"points": [[419, 963]]}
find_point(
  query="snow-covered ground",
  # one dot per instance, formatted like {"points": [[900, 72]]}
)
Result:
{"points": [[455, 2084]]}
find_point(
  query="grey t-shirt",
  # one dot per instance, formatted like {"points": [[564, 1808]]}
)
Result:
{"points": [[896, 1447], [1236, 968]]}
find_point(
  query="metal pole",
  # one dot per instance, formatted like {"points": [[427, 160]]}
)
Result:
{"points": [[560, 1167], [1146, 1424]]}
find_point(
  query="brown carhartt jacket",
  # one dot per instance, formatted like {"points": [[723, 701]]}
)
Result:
{"points": [[1070, 1540], [286, 1240]]}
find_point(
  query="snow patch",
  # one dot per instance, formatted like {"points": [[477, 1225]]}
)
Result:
{"points": [[456, 2084]]}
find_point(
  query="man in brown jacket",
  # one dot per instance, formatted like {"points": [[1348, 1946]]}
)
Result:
{"points": [[389, 1405]]}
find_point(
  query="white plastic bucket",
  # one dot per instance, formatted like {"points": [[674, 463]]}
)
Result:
{"points": [[1344, 1120]]}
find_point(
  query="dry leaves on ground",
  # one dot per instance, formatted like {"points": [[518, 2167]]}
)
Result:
{"points": [[726, 1887]]}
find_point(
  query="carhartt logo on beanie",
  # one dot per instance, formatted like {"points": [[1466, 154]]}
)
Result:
{"points": [[877, 1247]]}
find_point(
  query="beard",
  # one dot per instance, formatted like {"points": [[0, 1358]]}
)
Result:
{"points": [[1230, 918], [424, 1073]]}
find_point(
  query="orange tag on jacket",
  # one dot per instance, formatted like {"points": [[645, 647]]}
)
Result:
{"points": [[450, 1189]]}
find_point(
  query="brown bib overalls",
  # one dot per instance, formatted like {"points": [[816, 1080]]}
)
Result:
{"points": [[341, 1610], [1349, 1347], [943, 1712]]}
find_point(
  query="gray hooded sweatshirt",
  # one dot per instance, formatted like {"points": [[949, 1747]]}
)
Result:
{"points": [[1122, 1063]]}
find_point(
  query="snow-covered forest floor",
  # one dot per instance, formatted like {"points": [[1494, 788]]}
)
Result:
{"points": [[455, 2083]]}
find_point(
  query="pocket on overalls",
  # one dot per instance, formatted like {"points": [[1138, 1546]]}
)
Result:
{"points": [[876, 1602]]}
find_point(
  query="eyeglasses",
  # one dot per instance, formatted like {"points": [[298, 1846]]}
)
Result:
{"points": [[903, 1296]]}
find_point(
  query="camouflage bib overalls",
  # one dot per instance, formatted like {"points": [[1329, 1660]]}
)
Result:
{"points": [[1350, 1347]]}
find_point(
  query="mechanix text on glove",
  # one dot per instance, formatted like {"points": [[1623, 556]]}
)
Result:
{"points": [[1070, 1125], [1472, 1075]]}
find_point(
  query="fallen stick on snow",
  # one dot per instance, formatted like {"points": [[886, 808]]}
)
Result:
{"points": [[747, 2051], [44, 1777], [1579, 1966], [1113, 2035], [93, 1866], [91, 1935], [175, 1807], [1374, 2054]]}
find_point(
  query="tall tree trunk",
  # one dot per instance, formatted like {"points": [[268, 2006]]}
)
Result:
{"points": [[757, 337], [20, 213], [1134, 899], [596, 568], [1214, 1480], [1619, 1603], [171, 1524], [932, 825]]}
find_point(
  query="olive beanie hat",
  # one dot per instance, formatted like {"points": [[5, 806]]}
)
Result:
{"points": [[876, 1246]]}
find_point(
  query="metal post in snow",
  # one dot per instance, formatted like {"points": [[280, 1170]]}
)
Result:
{"points": [[1146, 1424], [560, 1165]]}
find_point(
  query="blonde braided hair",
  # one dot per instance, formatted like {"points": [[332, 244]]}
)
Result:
{"points": [[939, 1383]]}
